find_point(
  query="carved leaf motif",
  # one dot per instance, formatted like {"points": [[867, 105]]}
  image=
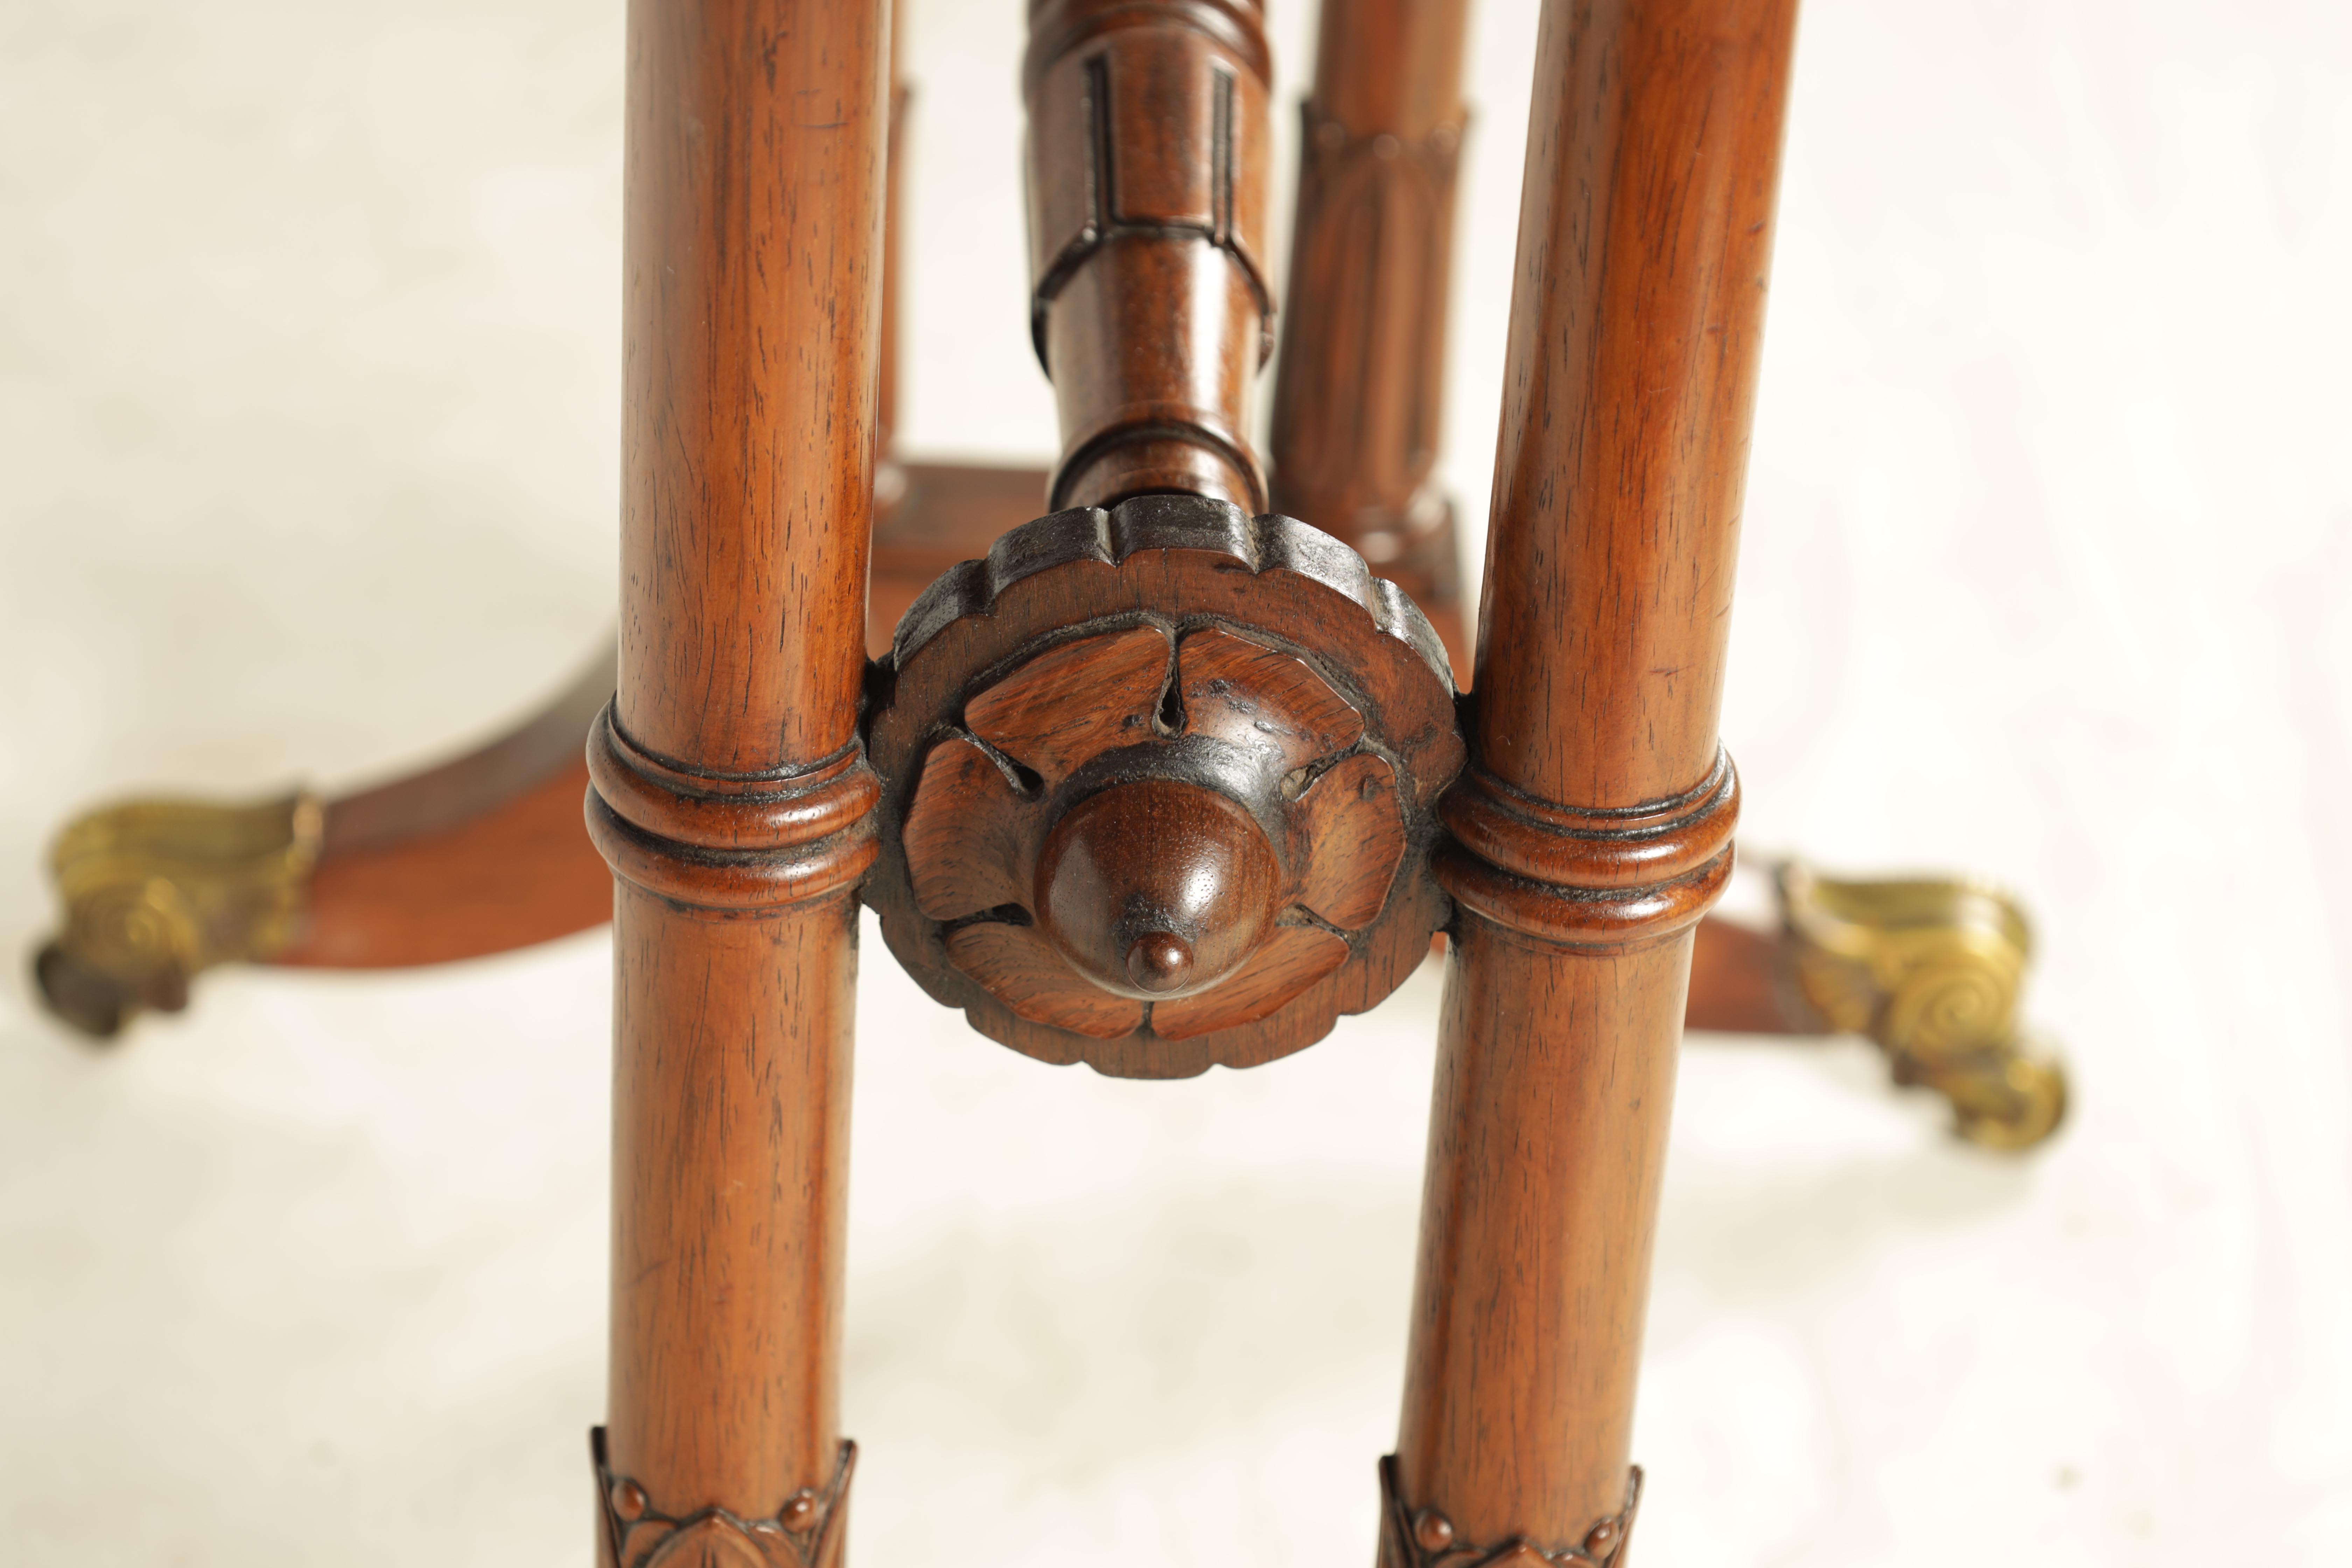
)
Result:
{"points": [[1355, 835], [966, 833], [1262, 699], [1291, 650], [709, 1542], [1072, 703], [1293, 958], [1021, 967]]}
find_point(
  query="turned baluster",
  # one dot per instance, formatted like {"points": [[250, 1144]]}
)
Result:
{"points": [[730, 793], [1594, 826], [1360, 385]]}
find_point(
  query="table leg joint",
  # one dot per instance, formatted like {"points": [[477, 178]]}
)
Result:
{"points": [[1594, 877]]}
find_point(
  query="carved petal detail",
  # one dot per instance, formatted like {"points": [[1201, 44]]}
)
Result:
{"points": [[1293, 958], [1355, 838], [1072, 703], [965, 834], [1167, 641], [1426, 1538], [804, 1532], [710, 1541], [1289, 707], [1021, 967]]}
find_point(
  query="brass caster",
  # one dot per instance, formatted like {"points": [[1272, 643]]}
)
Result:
{"points": [[1930, 970], [156, 892]]}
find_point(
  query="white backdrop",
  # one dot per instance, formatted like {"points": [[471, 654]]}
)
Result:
{"points": [[308, 397]]}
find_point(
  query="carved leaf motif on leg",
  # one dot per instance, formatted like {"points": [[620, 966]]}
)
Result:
{"points": [[804, 1531], [1424, 1538]]}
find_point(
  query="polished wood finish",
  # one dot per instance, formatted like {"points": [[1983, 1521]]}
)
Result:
{"points": [[1594, 824], [888, 481], [1360, 389], [485, 853], [731, 795], [1161, 780], [480, 855], [1742, 983], [1160, 787], [1151, 308], [947, 513]]}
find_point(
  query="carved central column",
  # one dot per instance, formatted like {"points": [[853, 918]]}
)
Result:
{"points": [[1151, 308], [1359, 396]]}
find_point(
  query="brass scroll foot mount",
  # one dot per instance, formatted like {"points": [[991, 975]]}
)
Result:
{"points": [[1931, 970], [156, 892]]}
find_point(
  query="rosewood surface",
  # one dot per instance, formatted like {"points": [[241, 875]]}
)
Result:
{"points": [[1235, 729], [731, 794], [1593, 825], [1361, 389]]}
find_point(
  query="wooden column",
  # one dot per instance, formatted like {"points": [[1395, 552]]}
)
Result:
{"points": [[889, 478], [1595, 825], [1147, 232], [1360, 388], [730, 793]]}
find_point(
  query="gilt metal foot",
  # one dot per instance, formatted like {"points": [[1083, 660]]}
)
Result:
{"points": [[1931, 970], [157, 890]]}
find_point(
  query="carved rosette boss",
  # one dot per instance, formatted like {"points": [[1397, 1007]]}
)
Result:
{"points": [[1160, 788]]}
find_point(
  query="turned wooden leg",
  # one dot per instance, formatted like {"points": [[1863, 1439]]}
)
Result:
{"points": [[1594, 826], [731, 794], [1361, 383]]}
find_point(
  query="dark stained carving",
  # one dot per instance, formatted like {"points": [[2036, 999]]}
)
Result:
{"points": [[1425, 1537], [1359, 392], [1160, 787], [1356, 403], [634, 1531], [1150, 305]]}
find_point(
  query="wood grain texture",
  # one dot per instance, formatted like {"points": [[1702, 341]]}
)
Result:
{"points": [[965, 835], [730, 1152], [730, 793], [1353, 820], [1360, 387], [751, 251], [478, 855], [487, 853], [1160, 888], [945, 513], [1018, 966], [1263, 700], [1594, 826], [1637, 315], [1741, 982], [1295, 958], [1547, 1146], [1151, 306], [1072, 703], [1284, 661]]}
